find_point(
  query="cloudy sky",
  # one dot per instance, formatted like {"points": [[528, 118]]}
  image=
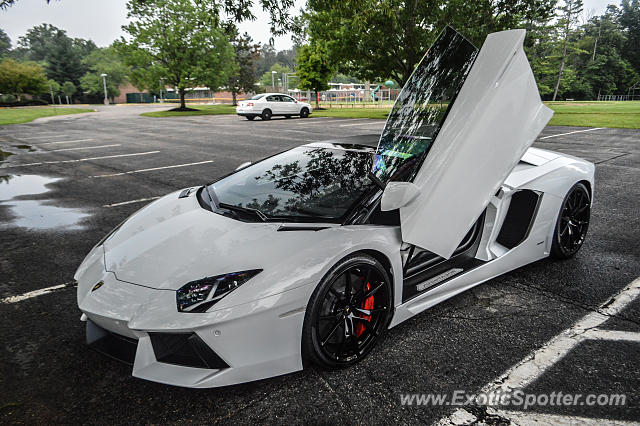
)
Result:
{"points": [[100, 20]]}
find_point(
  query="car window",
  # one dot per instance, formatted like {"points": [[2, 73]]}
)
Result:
{"points": [[273, 98], [422, 106], [287, 99], [256, 97]]}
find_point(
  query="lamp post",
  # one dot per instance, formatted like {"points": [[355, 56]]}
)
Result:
{"points": [[104, 84], [273, 83]]}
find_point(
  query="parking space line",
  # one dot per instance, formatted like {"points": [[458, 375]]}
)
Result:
{"points": [[361, 124], [45, 136], [571, 133], [531, 418], [124, 203], [36, 293], [83, 148], [130, 172], [57, 142], [82, 159], [530, 368]]}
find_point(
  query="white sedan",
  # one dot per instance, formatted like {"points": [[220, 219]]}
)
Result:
{"points": [[266, 105]]}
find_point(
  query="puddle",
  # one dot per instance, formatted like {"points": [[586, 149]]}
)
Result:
{"points": [[4, 155], [27, 148], [35, 214]]}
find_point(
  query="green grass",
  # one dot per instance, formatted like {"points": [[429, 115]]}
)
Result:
{"points": [[26, 114], [596, 114], [200, 110], [582, 114]]}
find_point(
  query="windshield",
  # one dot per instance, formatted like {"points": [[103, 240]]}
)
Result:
{"points": [[305, 183], [422, 107]]}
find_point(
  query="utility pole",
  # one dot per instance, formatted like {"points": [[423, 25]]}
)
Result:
{"points": [[53, 101], [104, 84], [273, 83], [595, 45]]}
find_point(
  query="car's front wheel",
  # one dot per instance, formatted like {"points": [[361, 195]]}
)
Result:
{"points": [[572, 223], [266, 114], [304, 113], [347, 313]]}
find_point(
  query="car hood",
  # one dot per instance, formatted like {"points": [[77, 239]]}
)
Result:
{"points": [[174, 240]]}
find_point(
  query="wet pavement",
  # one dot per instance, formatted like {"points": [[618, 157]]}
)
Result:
{"points": [[48, 375]]}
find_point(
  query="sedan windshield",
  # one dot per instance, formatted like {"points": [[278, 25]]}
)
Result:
{"points": [[306, 183]]}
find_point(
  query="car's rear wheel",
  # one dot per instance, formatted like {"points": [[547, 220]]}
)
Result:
{"points": [[347, 313], [304, 113], [573, 222], [250, 117], [266, 114]]}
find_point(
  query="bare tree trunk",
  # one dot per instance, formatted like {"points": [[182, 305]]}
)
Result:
{"points": [[564, 56], [183, 105], [317, 98], [233, 95]]}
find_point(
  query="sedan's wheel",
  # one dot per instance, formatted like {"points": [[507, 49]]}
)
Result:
{"points": [[573, 222], [347, 313], [287, 116], [304, 113], [250, 117], [266, 114]]}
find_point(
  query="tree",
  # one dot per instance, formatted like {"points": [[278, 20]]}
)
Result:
{"points": [[69, 89], [373, 40], [246, 53], [266, 79], [629, 18], [104, 61], [178, 41], [5, 43], [570, 14], [61, 55], [21, 78], [314, 68]]}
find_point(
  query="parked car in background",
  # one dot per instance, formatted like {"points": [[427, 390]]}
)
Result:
{"points": [[266, 105]]}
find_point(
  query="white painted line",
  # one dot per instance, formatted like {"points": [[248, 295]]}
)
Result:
{"points": [[72, 141], [533, 366], [533, 418], [124, 203], [362, 124], [152, 169], [46, 136], [36, 293], [82, 159], [571, 133], [83, 148]]}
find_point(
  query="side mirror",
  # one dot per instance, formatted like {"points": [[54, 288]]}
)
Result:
{"points": [[398, 194], [243, 165]]}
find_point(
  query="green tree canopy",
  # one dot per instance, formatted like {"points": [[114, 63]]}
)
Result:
{"points": [[375, 40], [5, 43], [265, 79], [246, 53], [178, 41], [18, 78], [104, 61], [314, 68]]}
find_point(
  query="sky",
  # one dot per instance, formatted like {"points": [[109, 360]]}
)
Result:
{"points": [[100, 20]]}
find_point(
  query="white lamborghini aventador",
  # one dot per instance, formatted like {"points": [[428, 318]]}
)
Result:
{"points": [[311, 254]]}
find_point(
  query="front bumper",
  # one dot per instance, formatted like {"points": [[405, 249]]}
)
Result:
{"points": [[247, 342]]}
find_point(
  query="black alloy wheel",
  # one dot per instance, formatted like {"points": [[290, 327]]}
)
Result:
{"points": [[266, 114], [573, 222], [304, 113], [348, 312]]}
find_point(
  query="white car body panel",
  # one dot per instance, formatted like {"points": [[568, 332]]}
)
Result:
{"points": [[127, 284], [498, 109]]}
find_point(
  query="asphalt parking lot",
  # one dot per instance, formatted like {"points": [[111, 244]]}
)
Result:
{"points": [[94, 170]]}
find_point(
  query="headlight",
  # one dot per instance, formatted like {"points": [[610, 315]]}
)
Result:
{"points": [[200, 295]]}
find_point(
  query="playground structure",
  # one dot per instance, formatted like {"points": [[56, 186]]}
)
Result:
{"points": [[633, 94]]}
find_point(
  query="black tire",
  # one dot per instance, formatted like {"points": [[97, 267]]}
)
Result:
{"points": [[250, 117], [333, 335], [304, 113], [572, 223], [287, 116], [266, 114]]}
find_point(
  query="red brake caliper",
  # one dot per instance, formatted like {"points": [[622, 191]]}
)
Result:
{"points": [[368, 303]]}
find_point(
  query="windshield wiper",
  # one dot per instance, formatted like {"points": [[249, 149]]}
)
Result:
{"points": [[254, 212], [373, 178]]}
